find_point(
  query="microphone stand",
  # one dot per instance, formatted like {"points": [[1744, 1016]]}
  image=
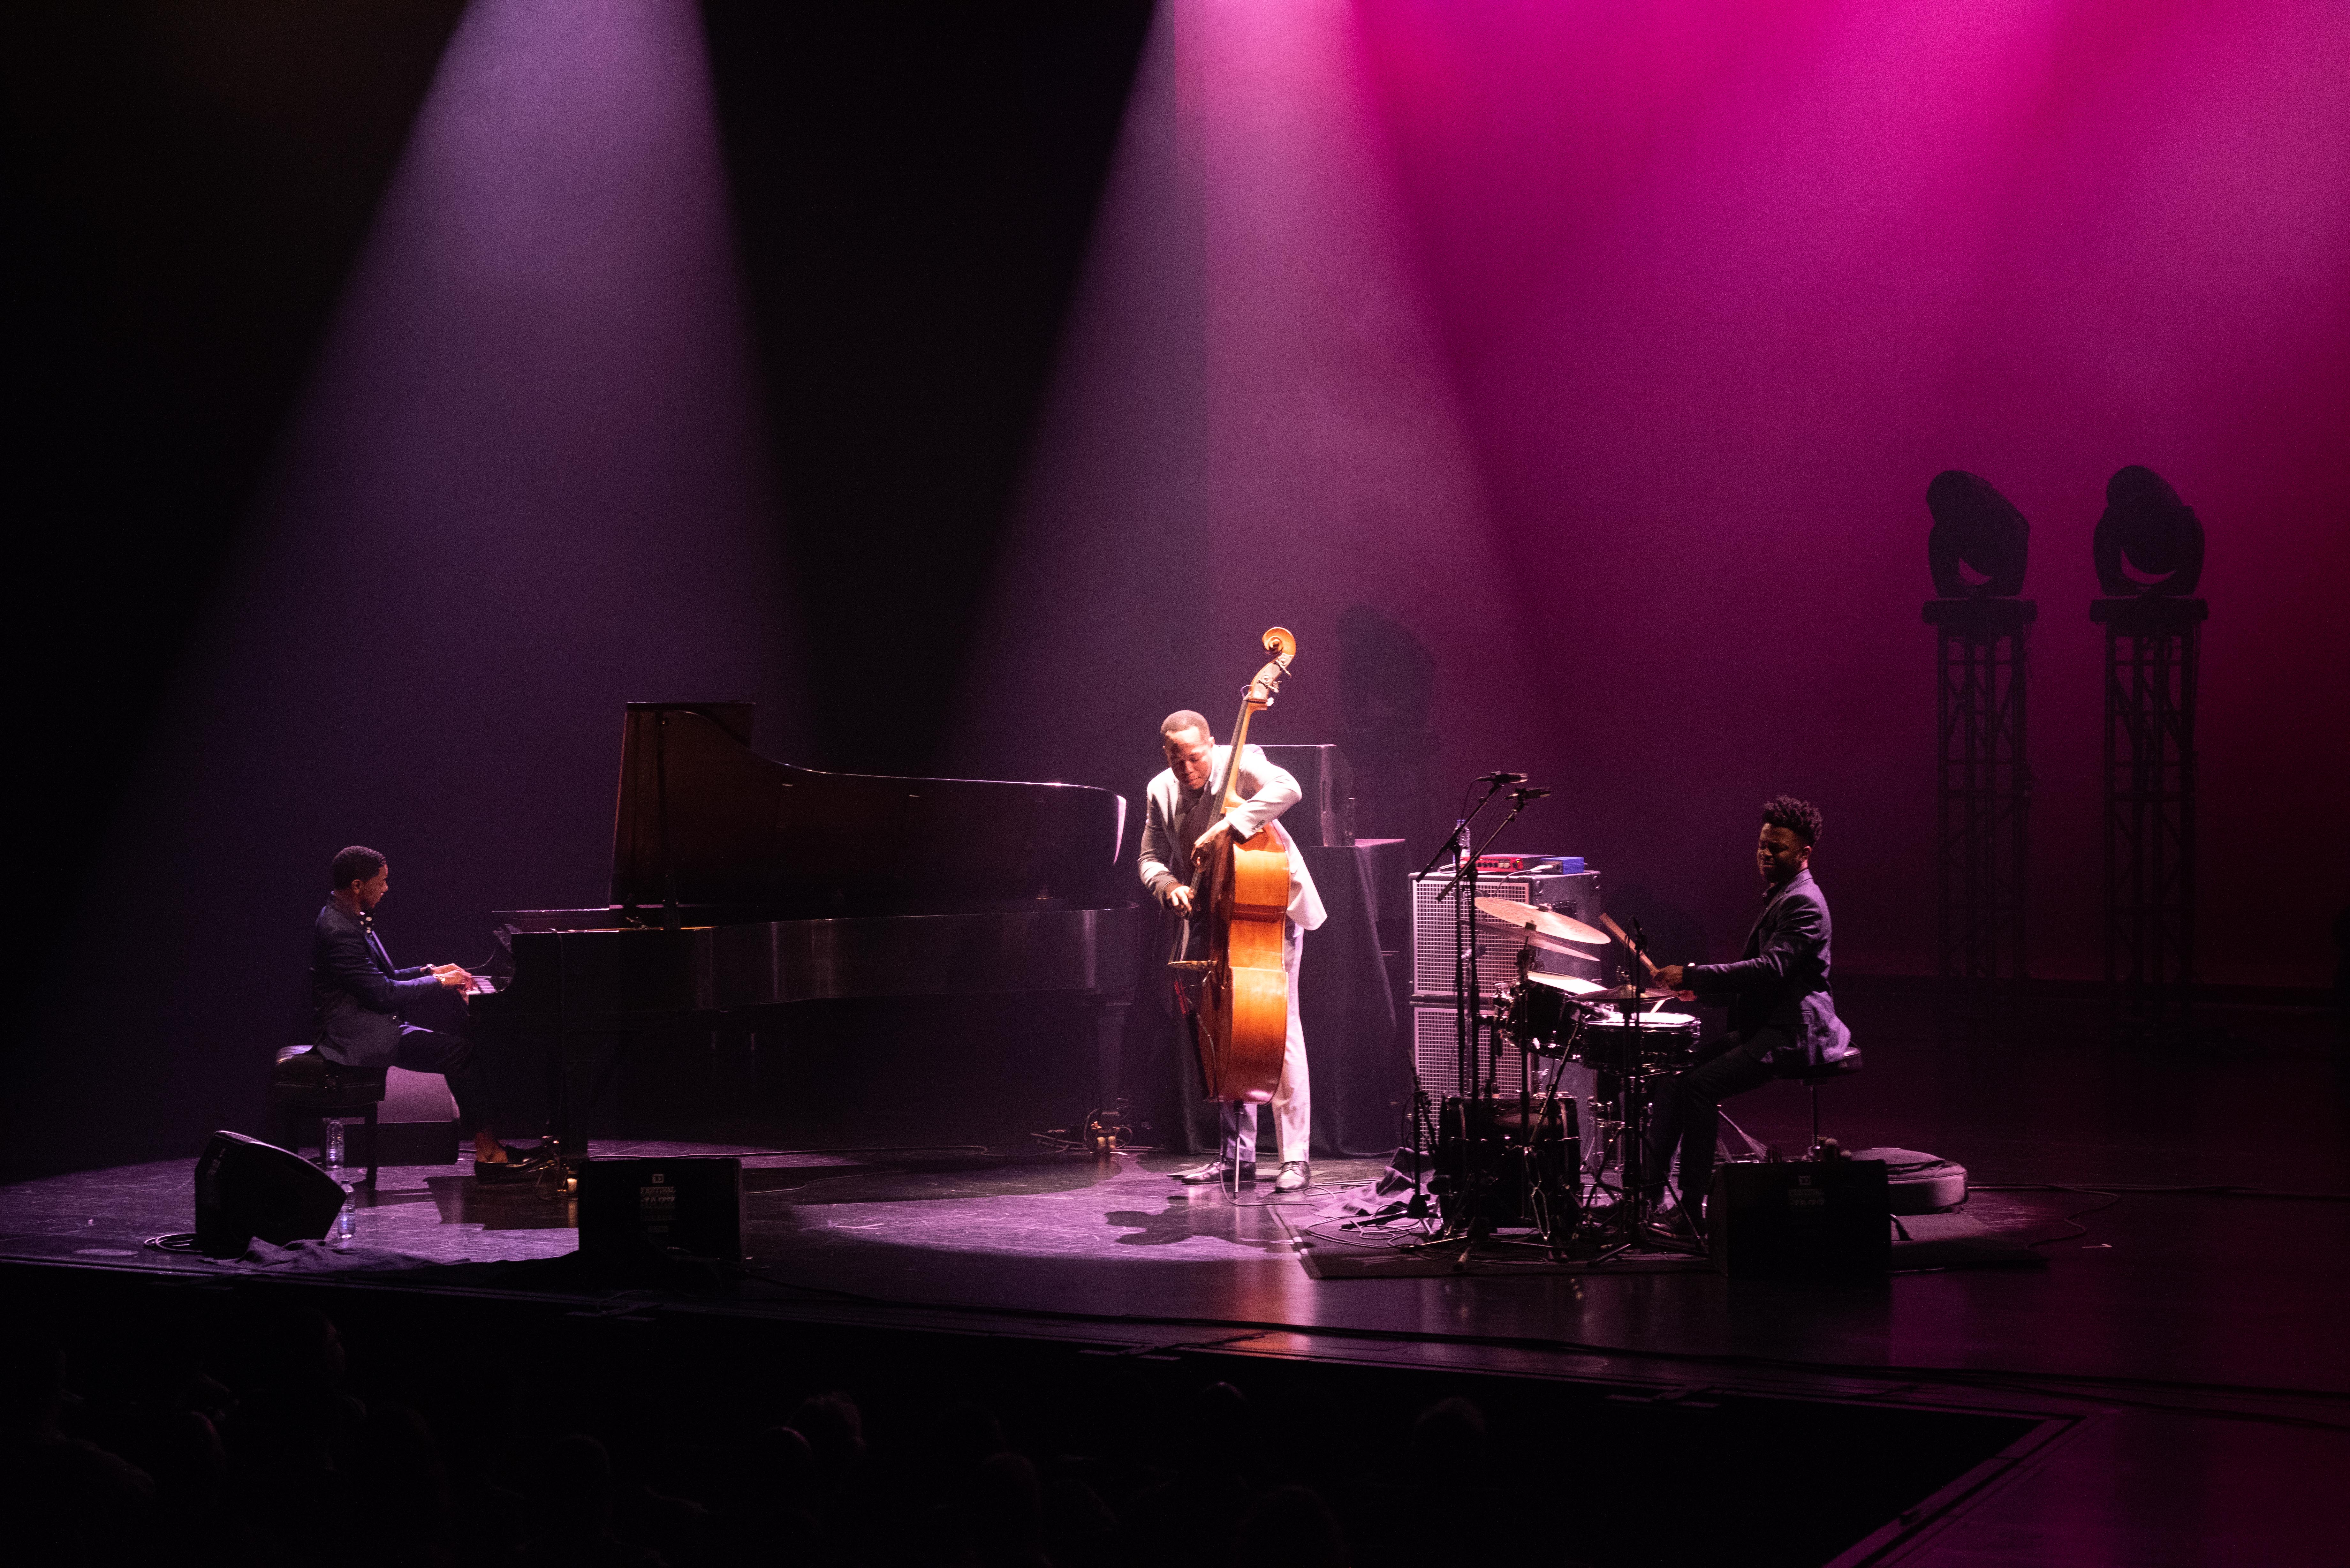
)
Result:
{"points": [[1464, 976], [1493, 788], [1466, 1001], [1518, 799], [1634, 1077]]}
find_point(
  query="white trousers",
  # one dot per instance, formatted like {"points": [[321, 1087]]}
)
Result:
{"points": [[1293, 1101]]}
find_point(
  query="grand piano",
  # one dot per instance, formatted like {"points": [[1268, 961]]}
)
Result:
{"points": [[741, 884]]}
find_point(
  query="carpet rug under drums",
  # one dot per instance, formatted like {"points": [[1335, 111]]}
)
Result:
{"points": [[1990, 1231]]}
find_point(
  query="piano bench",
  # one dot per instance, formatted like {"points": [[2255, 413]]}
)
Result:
{"points": [[304, 1087]]}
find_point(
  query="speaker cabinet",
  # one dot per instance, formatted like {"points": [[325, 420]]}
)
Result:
{"points": [[1325, 816], [245, 1188], [647, 1212], [1435, 938], [1801, 1216]]}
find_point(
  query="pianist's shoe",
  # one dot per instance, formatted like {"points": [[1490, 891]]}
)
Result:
{"points": [[1217, 1171], [520, 1165], [1295, 1174]]}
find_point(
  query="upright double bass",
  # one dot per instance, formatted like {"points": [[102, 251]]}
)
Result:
{"points": [[1241, 1019]]}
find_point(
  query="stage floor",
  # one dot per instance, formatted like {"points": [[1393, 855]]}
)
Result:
{"points": [[2183, 1345]]}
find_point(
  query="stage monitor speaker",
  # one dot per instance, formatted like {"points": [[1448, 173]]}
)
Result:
{"points": [[639, 1212], [1324, 818], [245, 1188], [1800, 1216]]}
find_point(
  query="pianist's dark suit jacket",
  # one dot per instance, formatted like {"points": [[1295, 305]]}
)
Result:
{"points": [[356, 992], [1781, 982]]}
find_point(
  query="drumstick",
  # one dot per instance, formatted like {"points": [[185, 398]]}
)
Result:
{"points": [[1609, 921]]}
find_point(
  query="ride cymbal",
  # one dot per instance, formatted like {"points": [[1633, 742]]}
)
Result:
{"points": [[1545, 922]]}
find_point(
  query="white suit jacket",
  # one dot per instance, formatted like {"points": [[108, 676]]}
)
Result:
{"points": [[1266, 791]]}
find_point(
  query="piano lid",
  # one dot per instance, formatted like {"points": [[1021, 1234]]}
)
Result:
{"points": [[742, 837]]}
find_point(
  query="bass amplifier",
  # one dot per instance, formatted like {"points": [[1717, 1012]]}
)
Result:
{"points": [[1435, 935], [1436, 1050], [1800, 1216]]}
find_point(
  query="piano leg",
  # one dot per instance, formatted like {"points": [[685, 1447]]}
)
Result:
{"points": [[1109, 1042], [587, 1059]]}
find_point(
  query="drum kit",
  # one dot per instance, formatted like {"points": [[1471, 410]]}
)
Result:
{"points": [[1498, 1160], [1508, 1159]]}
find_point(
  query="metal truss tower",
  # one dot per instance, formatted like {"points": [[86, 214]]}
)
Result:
{"points": [[2153, 646], [1983, 794]]}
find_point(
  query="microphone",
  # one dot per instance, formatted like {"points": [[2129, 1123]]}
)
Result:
{"points": [[1502, 778], [1529, 792]]}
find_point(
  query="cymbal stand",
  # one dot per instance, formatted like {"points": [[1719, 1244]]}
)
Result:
{"points": [[1557, 1229], [1527, 1148]]}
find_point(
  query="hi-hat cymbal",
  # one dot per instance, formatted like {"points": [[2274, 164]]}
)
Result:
{"points": [[1509, 911], [1627, 993]]}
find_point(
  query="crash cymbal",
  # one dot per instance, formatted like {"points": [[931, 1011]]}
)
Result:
{"points": [[1510, 912], [1567, 984]]}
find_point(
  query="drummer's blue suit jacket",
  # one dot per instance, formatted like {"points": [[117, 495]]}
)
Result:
{"points": [[1778, 992]]}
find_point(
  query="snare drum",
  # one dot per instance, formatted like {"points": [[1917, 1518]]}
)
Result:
{"points": [[1659, 1040]]}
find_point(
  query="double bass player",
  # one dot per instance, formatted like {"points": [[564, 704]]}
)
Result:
{"points": [[1181, 825]]}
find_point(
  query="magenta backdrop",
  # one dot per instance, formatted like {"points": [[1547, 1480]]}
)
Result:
{"points": [[1612, 348]]}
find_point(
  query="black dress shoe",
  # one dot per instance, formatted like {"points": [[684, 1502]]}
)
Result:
{"points": [[1674, 1229], [1217, 1171], [511, 1169]]}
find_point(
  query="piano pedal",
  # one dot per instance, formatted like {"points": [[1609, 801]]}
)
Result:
{"points": [[1107, 1131]]}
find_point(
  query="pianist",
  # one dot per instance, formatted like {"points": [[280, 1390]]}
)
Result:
{"points": [[1181, 820], [359, 1001]]}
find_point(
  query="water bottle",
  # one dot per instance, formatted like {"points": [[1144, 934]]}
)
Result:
{"points": [[334, 1152]]}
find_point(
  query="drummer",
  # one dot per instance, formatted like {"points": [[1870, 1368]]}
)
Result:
{"points": [[1782, 1017]]}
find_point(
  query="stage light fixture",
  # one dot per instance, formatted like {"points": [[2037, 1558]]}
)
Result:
{"points": [[1976, 530], [2147, 531]]}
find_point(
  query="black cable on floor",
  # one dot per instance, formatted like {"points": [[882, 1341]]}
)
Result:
{"points": [[2074, 1218]]}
